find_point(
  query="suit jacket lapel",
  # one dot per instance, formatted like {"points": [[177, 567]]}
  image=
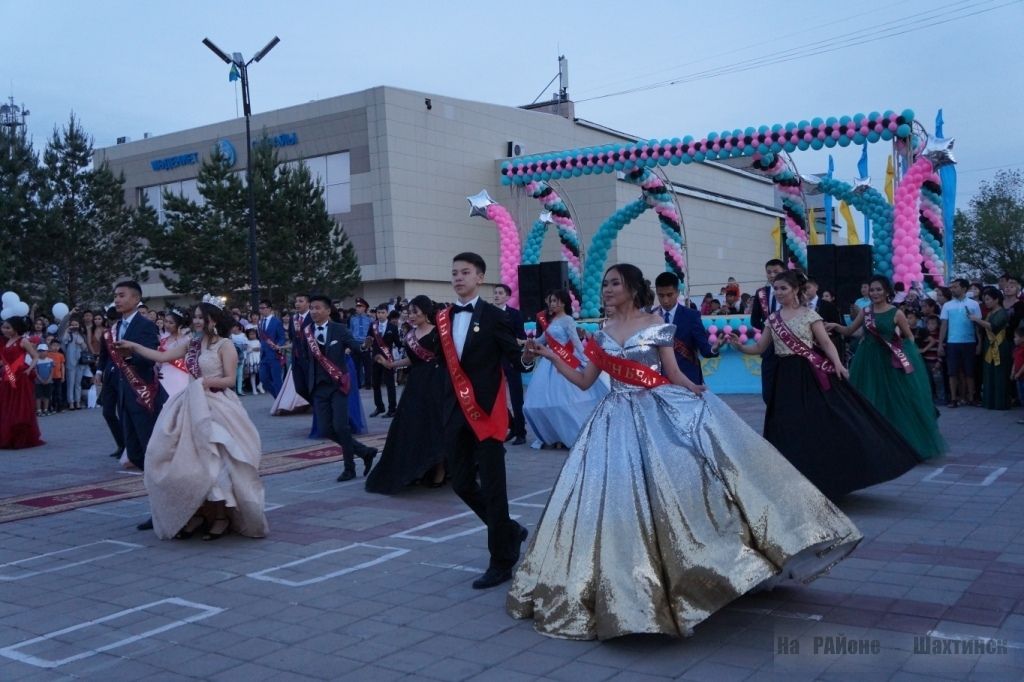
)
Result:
{"points": [[474, 323]]}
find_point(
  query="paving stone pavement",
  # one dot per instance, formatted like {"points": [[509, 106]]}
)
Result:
{"points": [[353, 586]]}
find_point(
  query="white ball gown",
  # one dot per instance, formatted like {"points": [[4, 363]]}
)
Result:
{"points": [[205, 447], [668, 508]]}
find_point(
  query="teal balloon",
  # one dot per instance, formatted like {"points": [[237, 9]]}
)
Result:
{"points": [[903, 130]]}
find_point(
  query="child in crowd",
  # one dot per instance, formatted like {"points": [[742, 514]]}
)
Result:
{"points": [[241, 344], [252, 360], [914, 321], [57, 388], [1017, 374], [928, 344], [44, 380]]}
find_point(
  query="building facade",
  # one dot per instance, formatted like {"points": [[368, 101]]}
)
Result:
{"points": [[397, 166]]}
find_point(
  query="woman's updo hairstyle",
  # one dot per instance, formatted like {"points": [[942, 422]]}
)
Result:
{"points": [[795, 279], [886, 285], [425, 305], [643, 297]]}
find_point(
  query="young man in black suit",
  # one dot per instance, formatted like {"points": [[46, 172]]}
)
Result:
{"points": [[329, 383], [764, 305], [138, 395], [514, 376], [296, 337], [475, 338], [384, 337], [829, 313]]}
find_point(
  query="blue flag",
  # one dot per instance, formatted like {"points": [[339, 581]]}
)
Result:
{"points": [[233, 75], [862, 168], [828, 204], [947, 177]]}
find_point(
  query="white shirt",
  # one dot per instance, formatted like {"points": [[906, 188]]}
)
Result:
{"points": [[320, 329], [671, 313], [125, 322], [264, 321], [813, 303], [460, 325]]}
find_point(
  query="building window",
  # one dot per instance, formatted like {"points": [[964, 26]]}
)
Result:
{"points": [[155, 195]]}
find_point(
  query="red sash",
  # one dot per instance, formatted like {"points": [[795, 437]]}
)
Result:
{"points": [[895, 347], [562, 350], [627, 371], [413, 344], [384, 350], [493, 425], [191, 359], [145, 394], [273, 346], [762, 295], [542, 321], [180, 363], [684, 350], [10, 372], [333, 371], [821, 365]]}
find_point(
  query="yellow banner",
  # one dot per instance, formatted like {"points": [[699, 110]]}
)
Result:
{"points": [[812, 228], [852, 236]]}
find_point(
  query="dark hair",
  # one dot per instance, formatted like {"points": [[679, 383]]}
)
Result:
{"points": [[382, 306], [930, 302], [504, 287], [1008, 276], [1019, 331], [708, 296], [886, 285], [992, 292], [394, 314], [266, 302], [946, 293], [425, 305], [221, 320], [929, 318], [129, 284], [180, 317], [963, 282], [793, 278], [634, 280], [320, 297], [776, 262], [473, 259], [111, 314], [18, 324], [667, 279], [563, 296]]}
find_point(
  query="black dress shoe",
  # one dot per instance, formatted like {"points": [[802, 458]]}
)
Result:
{"points": [[115, 453], [367, 458], [377, 413], [492, 577], [346, 475], [520, 440], [520, 539], [390, 414], [510, 436], [146, 525]]}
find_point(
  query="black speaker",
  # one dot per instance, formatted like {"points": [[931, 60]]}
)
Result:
{"points": [[535, 281], [853, 268], [821, 266]]}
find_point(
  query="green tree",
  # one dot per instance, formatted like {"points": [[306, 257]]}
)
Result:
{"points": [[302, 248], [91, 237], [19, 206], [988, 238], [202, 245]]}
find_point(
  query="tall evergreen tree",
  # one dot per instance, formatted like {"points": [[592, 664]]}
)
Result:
{"points": [[93, 238], [203, 244], [19, 207]]}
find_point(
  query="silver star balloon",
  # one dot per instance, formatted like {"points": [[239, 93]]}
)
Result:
{"points": [[478, 203], [861, 185], [940, 152], [545, 217]]}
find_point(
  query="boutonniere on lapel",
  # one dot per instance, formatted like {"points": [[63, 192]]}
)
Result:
{"points": [[476, 327]]}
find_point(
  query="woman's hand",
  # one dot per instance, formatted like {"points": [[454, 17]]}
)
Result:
{"points": [[125, 346], [733, 340], [975, 318], [699, 389], [381, 360], [842, 372]]}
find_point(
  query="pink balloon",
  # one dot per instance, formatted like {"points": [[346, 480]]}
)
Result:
{"points": [[727, 329], [743, 338], [712, 329], [743, 329]]}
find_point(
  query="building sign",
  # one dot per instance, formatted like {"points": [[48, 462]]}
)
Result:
{"points": [[228, 150], [282, 140], [172, 162]]}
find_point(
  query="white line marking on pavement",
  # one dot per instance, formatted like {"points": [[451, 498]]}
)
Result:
{"points": [[12, 652], [987, 481], [452, 567], [796, 615], [409, 534], [262, 575], [271, 506], [62, 563], [935, 634], [129, 473], [129, 513], [519, 500], [303, 488]]}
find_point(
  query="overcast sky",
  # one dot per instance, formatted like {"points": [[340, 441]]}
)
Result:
{"points": [[125, 68]]}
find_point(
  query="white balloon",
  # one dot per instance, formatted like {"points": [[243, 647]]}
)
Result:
{"points": [[9, 298], [59, 310], [20, 309]]}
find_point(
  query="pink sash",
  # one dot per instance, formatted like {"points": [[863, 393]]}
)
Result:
{"points": [[413, 344], [195, 347], [895, 347], [821, 365]]}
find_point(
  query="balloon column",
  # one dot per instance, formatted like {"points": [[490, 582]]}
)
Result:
{"points": [[931, 231], [535, 239], [13, 306], [789, 186], [482, 205], [567, 234], [593, 269], [660, 198], [871, 203]]}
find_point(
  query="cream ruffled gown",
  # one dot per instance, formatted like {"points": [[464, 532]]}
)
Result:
{"points": [[205, 447]]}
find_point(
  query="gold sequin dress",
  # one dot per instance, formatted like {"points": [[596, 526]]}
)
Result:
{"points": [[668, 508]]}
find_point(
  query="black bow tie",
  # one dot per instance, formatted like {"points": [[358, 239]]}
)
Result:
{"points": [[456, 309]]}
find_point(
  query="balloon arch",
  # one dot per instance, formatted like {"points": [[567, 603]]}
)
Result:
{"points": [[908, 234]]}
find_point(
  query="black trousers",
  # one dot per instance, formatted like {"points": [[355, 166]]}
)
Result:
{"points": [[138, 427], [769, 364], [331, 408], [477, 471], [515, 392], [108, 402], [382, 374]]}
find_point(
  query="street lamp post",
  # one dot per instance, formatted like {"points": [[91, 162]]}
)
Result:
{"points": [[243, 68]]}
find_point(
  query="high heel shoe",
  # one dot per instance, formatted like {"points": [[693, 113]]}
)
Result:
{"points": [[217, 529], [189, 529]]}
